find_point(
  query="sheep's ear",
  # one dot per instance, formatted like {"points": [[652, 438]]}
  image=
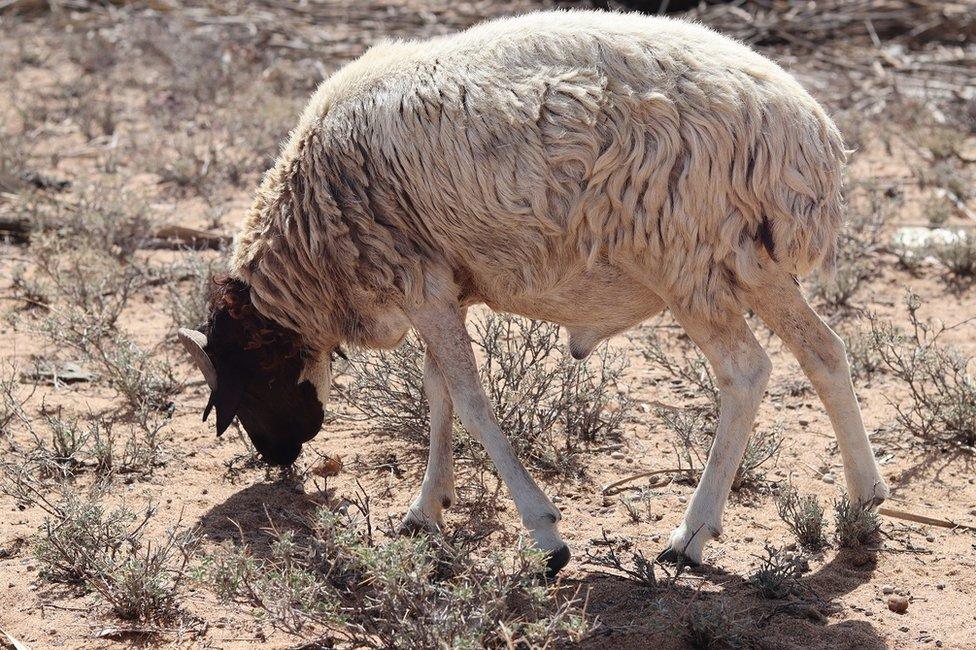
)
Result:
{"points": [[195, 342], [226, 398]]}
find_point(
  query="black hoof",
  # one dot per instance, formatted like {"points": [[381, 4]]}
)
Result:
{"points": [[412, 528], [556, 561], [677, 558]]}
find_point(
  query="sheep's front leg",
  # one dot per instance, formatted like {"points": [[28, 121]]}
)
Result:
{"points": [[741, 371], [442, 329], [437, 491]]}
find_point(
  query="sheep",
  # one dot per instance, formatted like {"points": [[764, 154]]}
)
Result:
{"points": [[585, 168]]}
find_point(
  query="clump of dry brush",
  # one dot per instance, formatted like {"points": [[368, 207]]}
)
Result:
{"points": [[326, 578], [550, 406], [941, 404]]}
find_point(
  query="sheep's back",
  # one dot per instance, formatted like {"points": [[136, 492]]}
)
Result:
{"points": [[525, 144]]}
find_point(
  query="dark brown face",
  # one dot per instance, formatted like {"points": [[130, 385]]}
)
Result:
{"points": [[254, 374]]}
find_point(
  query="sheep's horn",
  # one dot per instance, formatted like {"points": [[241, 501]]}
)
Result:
{"points": [[194, 342]]}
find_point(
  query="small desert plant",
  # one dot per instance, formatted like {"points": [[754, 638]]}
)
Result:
{"points": [[942, 389], [863, 355], [804, 516], [63, 446], [11, 400], [777, 575], [406, 593], [640, 570], [188, 289], [145, 583], [857, 524], [958, 254], [78, 533], [548, 405], [685, 366], [639, 507], [85, 544], [709, 625], [146, 382], [870, 207], [693, 429], [388, 387]]}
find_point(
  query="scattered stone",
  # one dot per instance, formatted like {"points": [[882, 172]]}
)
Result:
{"points": [[748, 538], [682, 499], [940, 586], [930, 538], [887, 589], [55, 374], [618, 455], [903, 628], [898, 604], [828, 479]]}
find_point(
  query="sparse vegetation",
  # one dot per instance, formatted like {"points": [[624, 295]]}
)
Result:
{"points": [[693, 426], [708, 626], [857, 525], [409, 592], [941, 408], [860, 238], [105, 550], [548, 405], [958, 255], [72, 447], [777, 575], [640, 570], [804, 516]]}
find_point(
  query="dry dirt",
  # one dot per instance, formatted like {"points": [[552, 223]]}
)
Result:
{"points": [[61, 70]]}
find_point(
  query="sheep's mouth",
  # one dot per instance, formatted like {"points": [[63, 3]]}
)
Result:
{"points": [[278, 428]]}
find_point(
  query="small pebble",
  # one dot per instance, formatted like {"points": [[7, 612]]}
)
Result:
{"points": [[887, 589], [930, 538], [748, 538], [618, 455], [903, 628], [940, 586], [828, 479], [682, 499], [898, 604]]}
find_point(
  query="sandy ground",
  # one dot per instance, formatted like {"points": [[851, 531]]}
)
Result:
{"points": [[935, 566]]}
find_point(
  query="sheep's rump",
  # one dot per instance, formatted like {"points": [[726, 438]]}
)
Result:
{"points": [[523, 143]]}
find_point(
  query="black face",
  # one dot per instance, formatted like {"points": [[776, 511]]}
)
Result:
{"points": [[258, 364]]}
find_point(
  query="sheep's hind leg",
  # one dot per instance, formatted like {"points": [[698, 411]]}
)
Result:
{"points": [[741, 369], [823, 357], [437, 491], [442, 329]]}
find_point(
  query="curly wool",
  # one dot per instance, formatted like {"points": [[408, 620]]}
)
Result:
{"points": [[523, 147]]}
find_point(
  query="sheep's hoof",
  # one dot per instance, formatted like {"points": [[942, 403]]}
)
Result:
{"points": [[412, 525], [556, 561], [676, 558]]}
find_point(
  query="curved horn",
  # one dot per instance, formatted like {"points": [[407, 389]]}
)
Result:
{"points": [[194, 342]]}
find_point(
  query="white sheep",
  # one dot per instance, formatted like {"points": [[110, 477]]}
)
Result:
{"points": [[585, 168]]}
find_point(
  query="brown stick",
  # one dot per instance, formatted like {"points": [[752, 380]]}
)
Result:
{"points": [[174, 236], [921, 519], [610, 486]]}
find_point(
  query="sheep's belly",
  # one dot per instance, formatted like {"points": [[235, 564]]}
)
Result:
{"points": [[591, 305]]}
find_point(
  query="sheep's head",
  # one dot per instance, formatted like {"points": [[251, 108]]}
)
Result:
{"points": [[257, 371]]}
